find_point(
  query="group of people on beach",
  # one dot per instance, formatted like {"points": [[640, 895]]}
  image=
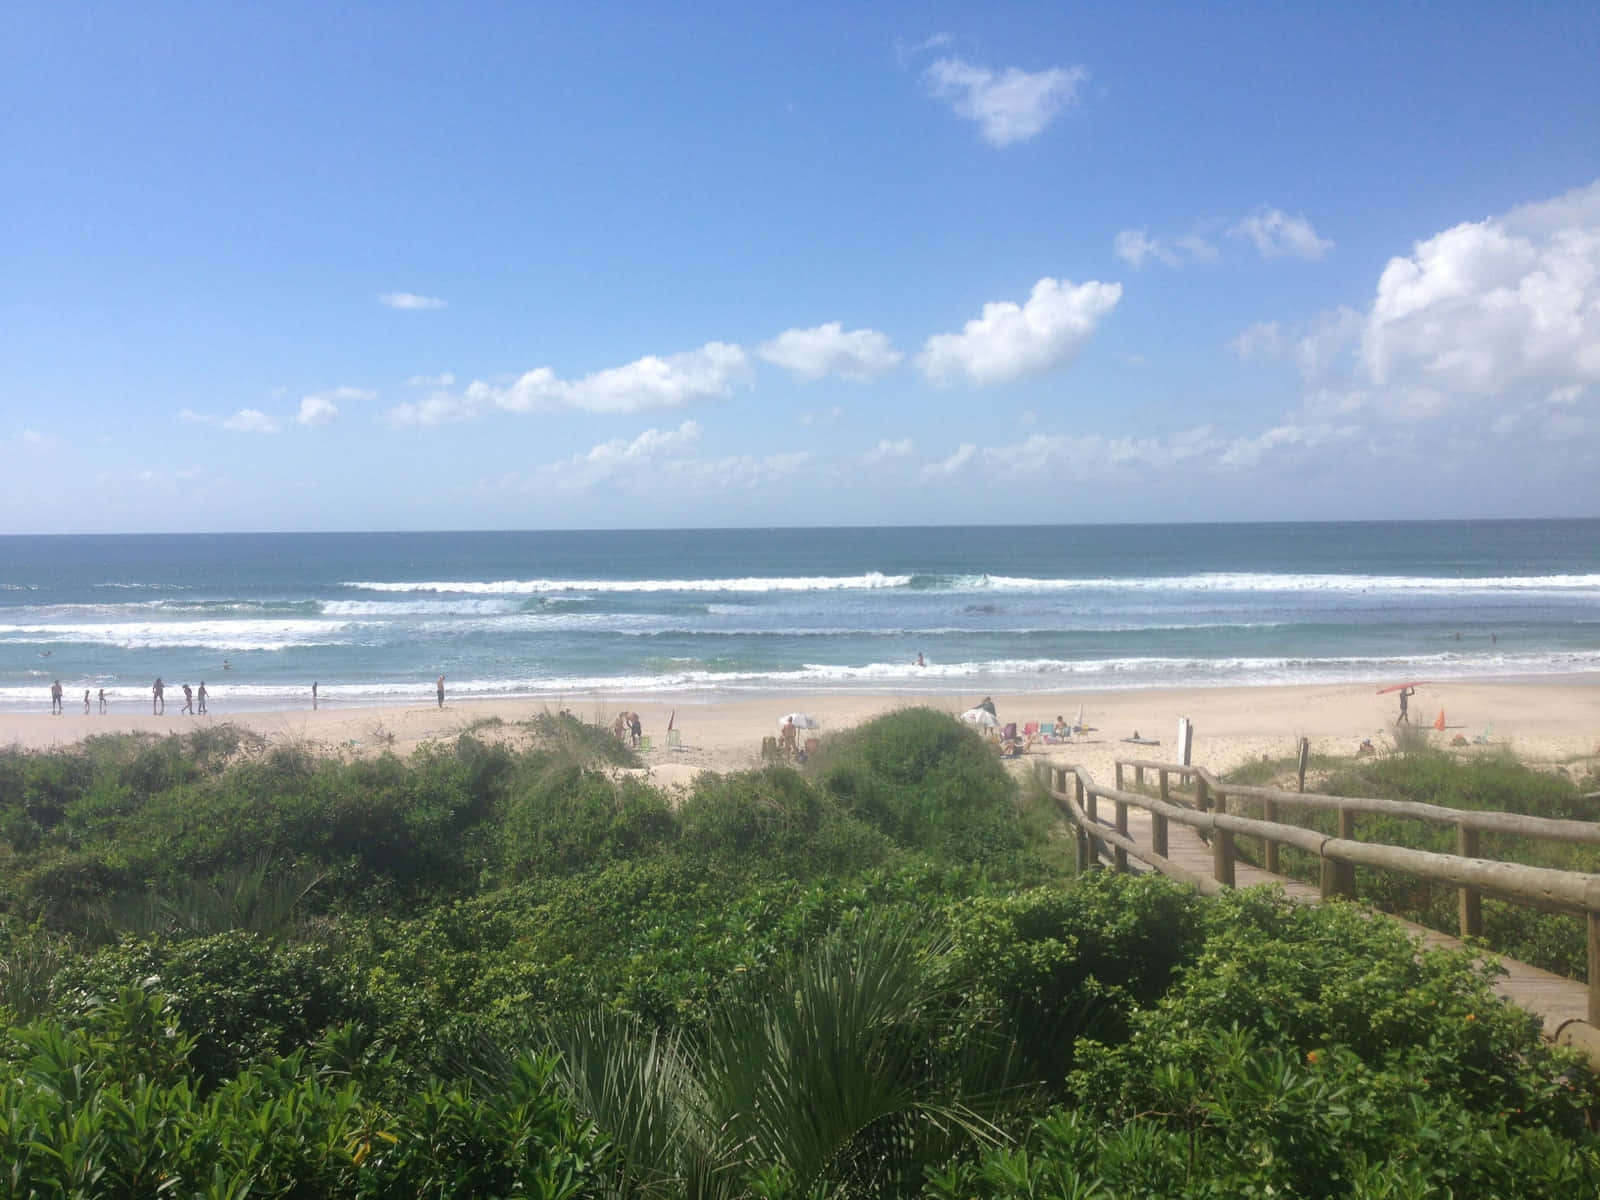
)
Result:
{"points": [[58, 704], [194, 701]]}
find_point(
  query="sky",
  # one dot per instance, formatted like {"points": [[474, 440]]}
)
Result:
{"points": [[481, 266]]}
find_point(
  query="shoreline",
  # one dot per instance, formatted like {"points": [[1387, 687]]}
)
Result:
{"points": [[1540, 720]]}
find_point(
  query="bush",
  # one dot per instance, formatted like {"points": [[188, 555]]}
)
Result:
{"points": [[927, 781]]}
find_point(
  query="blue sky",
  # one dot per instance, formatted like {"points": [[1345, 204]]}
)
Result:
{"points": [[426, 266]]}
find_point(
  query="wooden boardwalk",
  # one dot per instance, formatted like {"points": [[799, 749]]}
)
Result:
{"points": [[1557, 1001]]}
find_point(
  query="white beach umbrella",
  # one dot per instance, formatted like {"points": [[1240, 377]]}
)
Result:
{"points": [[980, 716], [801, 721]]}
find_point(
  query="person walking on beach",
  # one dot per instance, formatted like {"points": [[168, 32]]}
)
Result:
{"points": [[200, 697], [440, 687], [1405, 695], [635, 728], [188, 700], [313, 695], [86, 702], [55, 698], [158, 696], [102, 701]]}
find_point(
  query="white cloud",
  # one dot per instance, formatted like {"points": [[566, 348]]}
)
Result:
{"points": [[944, 468], [1008, 106], [1134, 246], [1095, 456], [246, 420], [250, 420], [32, 439], [621, 455], [827, 349], [886, 449], [905, 51], [647, 383], [1510, 304], [410, 301], [1263, 340], [825, 418], [316, 410], [432, 381], [1275, 234], [658, 461], [1011, 341]]}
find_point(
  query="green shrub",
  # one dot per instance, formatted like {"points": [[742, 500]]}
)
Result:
{"points": [[927, 781]]}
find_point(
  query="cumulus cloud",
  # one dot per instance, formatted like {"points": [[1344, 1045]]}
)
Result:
{"points": [[886, 449], [1136, 246], [1275, 234], [410, 301], [823, 418], [1011, 341], [944, 468], [657, 460], [317, 410], [1510, 304], [1007, 106], [1263, 340], [828, 349], [1099, 456], [645, 384], [250, 420], [246, 420]]}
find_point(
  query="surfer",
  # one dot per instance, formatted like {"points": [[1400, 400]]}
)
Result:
{"points": [[1405, 695]]}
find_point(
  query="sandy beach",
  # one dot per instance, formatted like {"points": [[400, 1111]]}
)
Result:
{"points": [[1540, 721]]}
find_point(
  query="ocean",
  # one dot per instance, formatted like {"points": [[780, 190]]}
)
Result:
{"points": [[374, 618]]}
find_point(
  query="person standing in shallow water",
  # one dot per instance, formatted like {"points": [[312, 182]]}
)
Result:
{"points": [[313, 695], [200, 697], [55, 698], [440, 686], [158, 696], [102, 701]]}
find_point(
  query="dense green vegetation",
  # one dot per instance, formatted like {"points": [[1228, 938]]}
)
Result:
{"points": [[230, 969], [1484, 781]]}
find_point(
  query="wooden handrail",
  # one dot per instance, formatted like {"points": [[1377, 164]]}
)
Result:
{"points": [[1554, 829], [1543, 887]]}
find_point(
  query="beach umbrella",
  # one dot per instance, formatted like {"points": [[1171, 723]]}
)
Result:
{"points": [[801, 721], [980, 716]]}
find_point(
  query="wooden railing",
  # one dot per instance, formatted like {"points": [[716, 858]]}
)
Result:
{"points": [[1205, 809]]}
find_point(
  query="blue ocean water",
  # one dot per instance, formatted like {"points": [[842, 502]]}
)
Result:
{"points": [[374, 618]]}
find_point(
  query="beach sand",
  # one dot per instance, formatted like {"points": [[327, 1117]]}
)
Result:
{"points": [[1539, 721]]}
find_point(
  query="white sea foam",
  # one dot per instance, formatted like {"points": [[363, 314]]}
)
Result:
{"points": [[408, 608], [1215, 582], [534, 587], [216, 635], [1269, 582]]}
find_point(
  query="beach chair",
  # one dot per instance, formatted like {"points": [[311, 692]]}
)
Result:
{"points": [[1031, 728], [1047, 730], [674, 740], [644, 741]]}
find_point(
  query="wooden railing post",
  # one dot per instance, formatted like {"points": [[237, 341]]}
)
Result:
{"points": [[1269, 812], [1120, 857], [1339, 878], [1119, 776], [1594, 968], [1469, 902], [1158, 823], [1200, 798], [1347, 871], [1222, 856], [1138, 775]]}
